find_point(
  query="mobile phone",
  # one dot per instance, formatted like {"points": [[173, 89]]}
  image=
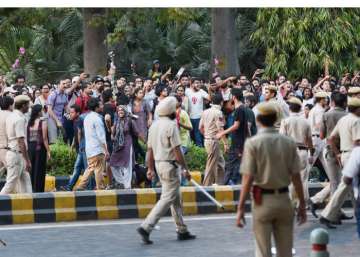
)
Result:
{"points": [[180, 72]]}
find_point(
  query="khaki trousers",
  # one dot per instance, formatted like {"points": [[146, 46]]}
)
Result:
{"points": [[274, 217], [304, 173], [96, 164], [170, 198], [333, 172], [17, 179], [215, 164], [332, 210], [2, 162]]}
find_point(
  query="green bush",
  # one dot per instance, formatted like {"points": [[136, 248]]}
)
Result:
{"points": [[196, 158], [62, 160]]}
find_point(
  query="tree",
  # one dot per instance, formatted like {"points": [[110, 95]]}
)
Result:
{"points": [[223, 41], [95, 54], [308, 42]]}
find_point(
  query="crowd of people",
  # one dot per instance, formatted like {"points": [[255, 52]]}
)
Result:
{"points": [[107, 121]]}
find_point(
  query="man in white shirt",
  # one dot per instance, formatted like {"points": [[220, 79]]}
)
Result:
{"points": [[351, 174], [6, 110], [196, 98], [95, 147]]}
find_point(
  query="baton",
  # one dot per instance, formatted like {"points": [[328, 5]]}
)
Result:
{"points": [[2, 242], [207, 194]]}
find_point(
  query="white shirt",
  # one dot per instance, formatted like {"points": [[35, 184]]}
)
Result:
{"points": [[196, 100], [352, 169], [315, 118], [94, 131]]}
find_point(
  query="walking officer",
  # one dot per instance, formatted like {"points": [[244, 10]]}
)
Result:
{"points": [[165, 154], [272, 210], [211, 123], [298, 128], [329, 121], [348, 130], [17, 159]]}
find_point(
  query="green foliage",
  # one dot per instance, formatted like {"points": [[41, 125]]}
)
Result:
{"points": [[196, 158], [302, 41], [62, 160]]}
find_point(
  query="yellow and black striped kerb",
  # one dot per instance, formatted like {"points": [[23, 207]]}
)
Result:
{"points": [[111, 204]]}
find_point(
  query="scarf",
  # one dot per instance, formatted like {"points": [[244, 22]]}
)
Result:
{"points": [[119, 140]]}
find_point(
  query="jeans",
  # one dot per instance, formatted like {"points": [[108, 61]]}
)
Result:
{"points": [[357, 212], [196, 135], [232, 167], [69, 131], [80, 165]]}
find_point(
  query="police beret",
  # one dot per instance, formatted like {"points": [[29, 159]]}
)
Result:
{"points": [[321, 94], [354, 90], [267, 108], [354, 101], [167, 106], [21, 99], [294, 100], [272, 88]]}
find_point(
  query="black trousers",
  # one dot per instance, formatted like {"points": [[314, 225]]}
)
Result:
{"points": [[38, 160], [232, 166]]}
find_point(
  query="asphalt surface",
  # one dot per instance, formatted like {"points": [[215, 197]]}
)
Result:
{"points": [[217, 236]]}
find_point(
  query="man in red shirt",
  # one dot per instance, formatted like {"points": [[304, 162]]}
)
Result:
{"points": [[86, 92]]}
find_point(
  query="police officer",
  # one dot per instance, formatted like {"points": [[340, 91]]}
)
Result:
{"points": [[329, 121], [348, 130], [298, 128], [164, 151], [7, 103], [354, 92], [211, 123], [270, 163], [17, 159], [315, 119]]}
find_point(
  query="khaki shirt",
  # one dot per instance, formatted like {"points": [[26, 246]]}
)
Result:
{"points": [[298, 128], [330, 119], [164, 136], [15, 129], [271, 158], [315, 118], [348, 129], [3, 135], [213, 121]]}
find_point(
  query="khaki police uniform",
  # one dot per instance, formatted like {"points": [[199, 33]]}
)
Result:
{"points": [[298, 128], [3, 140], [348, 130], [17, 179], [315, 119], [213, 122], [163, 138], [333, 171], [272, 159]]}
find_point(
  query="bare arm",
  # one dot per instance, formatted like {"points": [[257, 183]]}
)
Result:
{"points": [[247, 181], [24, 152], [296, 180], [52, 114], [45, 136]]}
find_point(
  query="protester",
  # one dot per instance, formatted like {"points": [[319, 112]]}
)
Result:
{"points": [[38, 147]]}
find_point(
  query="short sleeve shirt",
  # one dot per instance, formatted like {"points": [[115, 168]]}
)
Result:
{"points": [[196, 99], [238, 137], [271, 158], [58, 102], [185, 134], [296, 127], [164, 136], [213, 121], [352, 169], [15, 129], [348, 129]]}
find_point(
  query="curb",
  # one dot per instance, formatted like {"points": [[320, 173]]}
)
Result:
{"points": [[112, 204]]}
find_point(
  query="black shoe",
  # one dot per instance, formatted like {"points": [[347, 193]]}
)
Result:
{"points": [[327, 223], [144, 236], [345, 217], [185, 236], [313, 207], [338, 222]]}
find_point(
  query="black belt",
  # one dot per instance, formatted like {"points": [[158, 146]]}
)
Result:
{"points": [[347, 151], [12, 150], [273, 191], [316, 135], [302, 148]]}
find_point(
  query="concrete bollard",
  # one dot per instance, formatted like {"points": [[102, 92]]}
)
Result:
{"points": [[319, 239]]}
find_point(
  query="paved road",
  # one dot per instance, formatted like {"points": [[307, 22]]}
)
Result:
{"points": [[217, 236]]}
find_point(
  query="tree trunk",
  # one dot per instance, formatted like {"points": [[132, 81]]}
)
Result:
{"points": [[223, 42], [95, 55]]}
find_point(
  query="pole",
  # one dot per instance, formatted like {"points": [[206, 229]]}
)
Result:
{"points": [[207, 194], [319, 239]]}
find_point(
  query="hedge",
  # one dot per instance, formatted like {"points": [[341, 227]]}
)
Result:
{"points": [[63, 159]]}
